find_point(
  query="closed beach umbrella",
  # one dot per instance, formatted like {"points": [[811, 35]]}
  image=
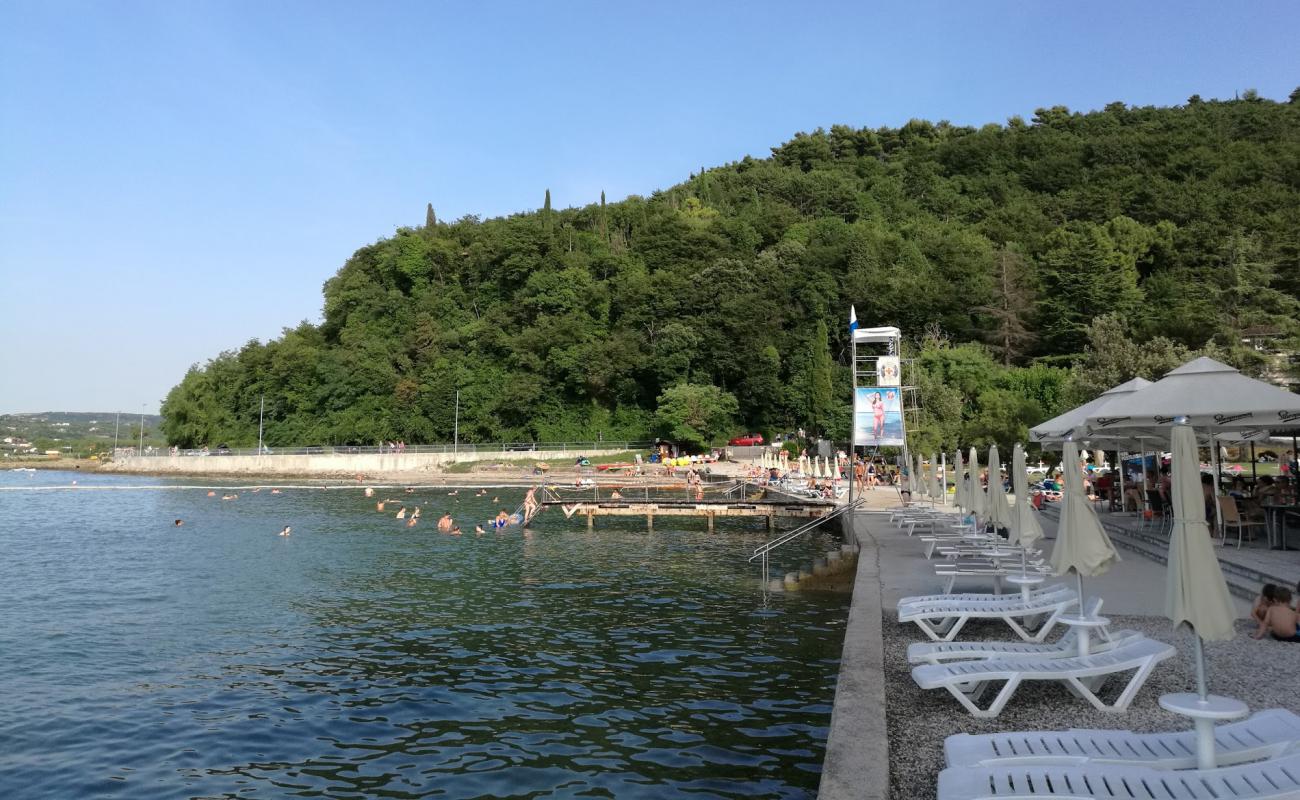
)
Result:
{"points": [[918, 477], [1195, 592], [978, 502], [999, 508], [960, 485], [1081, 543], [936, 488], [1025, 527]]}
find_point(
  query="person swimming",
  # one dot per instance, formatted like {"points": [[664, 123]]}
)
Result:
{"points": [[455, 531], [178, 523], [410, 523], [501, 521], [444, 522], [478, 530], [212, 494], [230, 497], [275, 491], [379, 506], [402, 514], [287, 530]]}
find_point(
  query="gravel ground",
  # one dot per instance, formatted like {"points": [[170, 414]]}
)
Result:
{"points": [[1262, 673]]}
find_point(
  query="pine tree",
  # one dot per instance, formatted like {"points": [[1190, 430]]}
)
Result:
{"points": [[1009, 335], [430, 221], [604, 221], [546, 213]]}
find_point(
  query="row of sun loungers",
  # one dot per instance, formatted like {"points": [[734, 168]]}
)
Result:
{"points": [[1258, 758]]}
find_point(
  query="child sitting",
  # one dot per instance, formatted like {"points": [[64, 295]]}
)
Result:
{"points": [[1279, 618], [1266, 596]]}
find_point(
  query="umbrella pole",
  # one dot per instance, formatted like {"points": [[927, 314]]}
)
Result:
{"points": [[1119, 459], [1078, 578], [1200, 667], [1254, 477], [1218, 509]]}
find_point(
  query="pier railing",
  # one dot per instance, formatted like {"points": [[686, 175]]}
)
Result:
{"points": [[763, 550], [523, 449]]}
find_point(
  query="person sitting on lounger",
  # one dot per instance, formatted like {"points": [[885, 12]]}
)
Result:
{"points": [[1280, 619]]}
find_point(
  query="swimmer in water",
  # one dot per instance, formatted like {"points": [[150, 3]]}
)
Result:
{"points": [[502, 520], [379, 506], [455, 531], [478, 530], [416, 514], [179, 523], [444, 522], [496, 500], [410, 523], [370, 492], [402, 514], [230, 497], [275, 491], [286, 531], [212, 494], [258, 489]]}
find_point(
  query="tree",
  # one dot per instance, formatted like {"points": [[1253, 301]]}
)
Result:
{"points": [[546, 213], [695, 416], [430, 221], [1009, 335]]}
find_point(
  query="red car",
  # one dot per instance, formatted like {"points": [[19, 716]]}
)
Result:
{"points": [[747, 440]]}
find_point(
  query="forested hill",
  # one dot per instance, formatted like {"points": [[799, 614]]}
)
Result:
{"points": [[1182, 224]]}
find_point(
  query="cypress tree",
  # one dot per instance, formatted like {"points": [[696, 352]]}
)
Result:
{"points": [[429, 219], [604, 224], [546, 212]]}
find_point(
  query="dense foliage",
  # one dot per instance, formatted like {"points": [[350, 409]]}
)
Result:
{"points": [[1181, 226]]}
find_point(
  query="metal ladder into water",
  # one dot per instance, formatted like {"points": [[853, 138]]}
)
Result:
{"points": [[764, 549]]}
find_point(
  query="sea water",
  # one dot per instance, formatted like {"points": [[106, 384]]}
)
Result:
{"points": [[358, 657]]}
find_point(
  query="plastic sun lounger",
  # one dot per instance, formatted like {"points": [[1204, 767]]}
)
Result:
{"points": [[968, 681], [1263, 780], [943, 619], [924, 599], [1065, 647], [1264, 735]]}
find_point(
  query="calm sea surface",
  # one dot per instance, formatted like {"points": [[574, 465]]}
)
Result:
{"points": [[360, 658]]}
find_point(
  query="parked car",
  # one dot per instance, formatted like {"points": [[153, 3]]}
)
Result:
{"points": [[747, 440]]}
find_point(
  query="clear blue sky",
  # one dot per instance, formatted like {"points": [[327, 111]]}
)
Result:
{"points": [[177, 178]]}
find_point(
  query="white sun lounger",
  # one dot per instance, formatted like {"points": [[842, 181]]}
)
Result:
{"points": [[1263, 780], [1265, 734], [920, 599], [943, 619], [1065, 647], [968, 681]]}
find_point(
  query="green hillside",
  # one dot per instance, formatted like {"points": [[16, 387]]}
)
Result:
{"points": [[995, 247]]}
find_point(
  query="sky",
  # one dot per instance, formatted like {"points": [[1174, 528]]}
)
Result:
{"points": [[179, 178]]}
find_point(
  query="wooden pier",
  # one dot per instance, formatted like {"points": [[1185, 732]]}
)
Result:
{"points": [[769, 510]]}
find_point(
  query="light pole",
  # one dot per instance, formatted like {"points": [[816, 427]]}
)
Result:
{"points": [[260, 411], [455, 430], [116, 426], [142, 429]]}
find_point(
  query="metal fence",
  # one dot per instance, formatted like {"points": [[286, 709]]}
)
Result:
{"points": [[522, 449]]}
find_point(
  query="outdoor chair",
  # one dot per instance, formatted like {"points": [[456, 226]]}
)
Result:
{"points": [[1232, 516], [1263, 780], [1158, 507], [1065, 647], [1084, 676], [1263, 735], [942, 620]]}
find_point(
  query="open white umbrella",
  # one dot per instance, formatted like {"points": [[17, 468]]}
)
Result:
{"points": [[960, 485], [999, 508], [1025, 527], [1073, 423], [978, 501], [1081, 543]]}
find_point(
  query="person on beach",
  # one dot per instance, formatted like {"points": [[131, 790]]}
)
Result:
{"points": [[286, 531], [1266, 596], [1280, 619]]}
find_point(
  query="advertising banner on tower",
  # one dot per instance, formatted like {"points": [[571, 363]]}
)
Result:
{"points": [[887, 373], [878, 416]]}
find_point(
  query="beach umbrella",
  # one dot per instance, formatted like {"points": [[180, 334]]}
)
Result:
{"points": [[1081, 543], [999, 508], [936, 485], [960, 484], [978, 501], [918, 476], [1024, 528], [1195, 592], [1074, 423], [818, 472]]}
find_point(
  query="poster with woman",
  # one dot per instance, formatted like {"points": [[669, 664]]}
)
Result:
{"points": [[878, 417]]}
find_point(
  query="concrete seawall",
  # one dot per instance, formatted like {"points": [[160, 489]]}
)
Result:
{"points": [[329, 464], [857, 749]]}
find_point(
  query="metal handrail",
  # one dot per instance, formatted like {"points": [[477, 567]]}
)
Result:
{"points": [[767, 547]]}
